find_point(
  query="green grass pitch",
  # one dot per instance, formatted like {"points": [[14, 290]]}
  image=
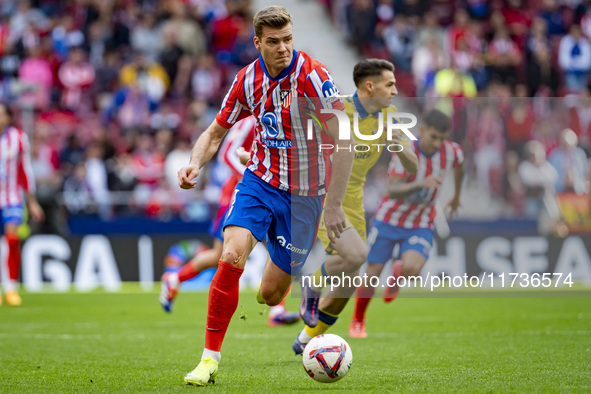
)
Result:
{"points": [[125, 342]]}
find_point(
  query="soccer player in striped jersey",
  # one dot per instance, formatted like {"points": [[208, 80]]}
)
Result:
{"points": [[376, 86], [287, 172], [186, 260], [16, 178], [405, 215]]}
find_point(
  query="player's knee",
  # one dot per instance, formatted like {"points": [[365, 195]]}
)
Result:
{"points": [[231, 256], [271, 296], [356, 259], [412, 269]]}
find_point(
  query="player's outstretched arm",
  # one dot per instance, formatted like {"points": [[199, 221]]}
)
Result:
{"points": [[342, 164], [454, 203], [203, 150], [399, 188]]}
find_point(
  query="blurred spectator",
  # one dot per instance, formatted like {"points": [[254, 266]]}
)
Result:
{"points": [[538, 178], [458, 31], [400, 39], [585, 21], [207, 80], [541, 74], [146, 38], [165, 118], [107, 79], [451, 82], [243, 52], [45, 165], [188, 33], [518, 20], [477, 9], [504, 57], [580, 119], [574, 57], [513, 190], [430, 29], [163, 141], [411, 8], [77, 194], [477, 47], [9, 65], [178, 157], [519, 123], [489, 147], [538, 37], [26, 16], [96, 178], [445, 10], [97, 44], [35, 72], [385, 14], [76, 75], [173, 57], [426, 61], [65, 36], [361, 19], [71, 155], [124, 171], [496, 23], [150, 77], [131, 107], [570, 162], [554, 17], [544, 132], [147, 162], [225, 31]]}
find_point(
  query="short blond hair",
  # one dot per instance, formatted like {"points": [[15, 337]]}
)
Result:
{"points": [[273, 16]]}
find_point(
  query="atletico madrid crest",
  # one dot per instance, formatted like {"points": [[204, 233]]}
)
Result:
{"points": [[286, 98]]}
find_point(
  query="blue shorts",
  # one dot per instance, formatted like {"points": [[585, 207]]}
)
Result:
{"points": [[383, 237], [217, 226], [288, 222], [13, 214]]}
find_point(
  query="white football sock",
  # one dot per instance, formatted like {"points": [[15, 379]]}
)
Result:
{"points": [[10, 285], [217, 356], [304, 337]]}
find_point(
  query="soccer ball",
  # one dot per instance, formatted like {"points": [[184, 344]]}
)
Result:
{"points": [[327, 358]]}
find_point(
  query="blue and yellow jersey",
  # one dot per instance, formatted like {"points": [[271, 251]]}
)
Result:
{"points": [[364, 161]]}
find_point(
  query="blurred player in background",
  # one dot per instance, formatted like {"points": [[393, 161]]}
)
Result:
{"points": [[286, 173], [16, 181], [187, 259], [376, 86], [406, 214]]}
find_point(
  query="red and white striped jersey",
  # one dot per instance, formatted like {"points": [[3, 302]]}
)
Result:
{"points": [[240, 135], [16, 174], [281, 154], [418, 209]]}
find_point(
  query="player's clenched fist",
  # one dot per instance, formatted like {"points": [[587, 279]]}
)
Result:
{"points": [[186, 176]]}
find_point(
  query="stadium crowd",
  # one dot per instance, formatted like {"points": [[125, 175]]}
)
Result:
{"points": [[112, 92]]}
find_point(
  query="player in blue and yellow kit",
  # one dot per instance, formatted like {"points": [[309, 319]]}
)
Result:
{"points": [[376, 86]]}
